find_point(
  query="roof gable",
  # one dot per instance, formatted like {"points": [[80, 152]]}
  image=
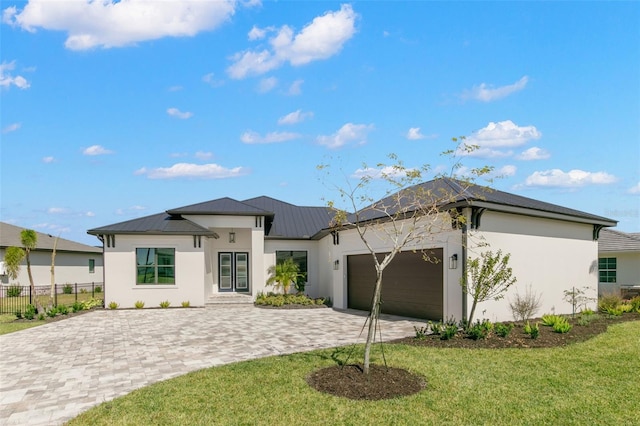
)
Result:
{"points": [[160, 223], [612, 240], [10, 236], [220, 206]]}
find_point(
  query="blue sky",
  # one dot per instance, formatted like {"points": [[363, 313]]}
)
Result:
{"points": [[112, 111]]}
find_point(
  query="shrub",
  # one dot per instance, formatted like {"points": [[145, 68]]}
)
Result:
{"points": [[502, 329], [532, 330], [587, 312], [165, 304], [562, 326], [67, 289], [524, 307], [77, 306], [98, 289], [18, 314], [610, 300], [421, 332], [480, 330], [41, 317], [613, 311], [30, 312], [52, 312], [139, 304], [635, 302], [14, 290], [186, 304], [449, 331], [63, 310], [113, 305], [436, 327], [550, 320], [626, 308], [577, 298], [83, 291], [92, 303]]}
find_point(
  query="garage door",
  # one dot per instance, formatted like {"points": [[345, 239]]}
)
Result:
{"points": [[411, 286]]}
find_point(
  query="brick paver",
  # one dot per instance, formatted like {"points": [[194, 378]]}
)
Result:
{"points": [[51, 373]]}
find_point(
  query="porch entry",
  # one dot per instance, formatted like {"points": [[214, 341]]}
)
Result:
{"points": [[233, 271]]}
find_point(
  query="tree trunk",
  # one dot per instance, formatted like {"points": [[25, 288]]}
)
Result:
{"points": [[473, 311], [53, 272], [32, 285], [373, 322]]}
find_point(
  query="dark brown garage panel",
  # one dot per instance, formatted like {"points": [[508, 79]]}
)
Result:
{"points": [[411, 286]]}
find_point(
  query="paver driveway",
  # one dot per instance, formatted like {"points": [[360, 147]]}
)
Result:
{"points": [[50, 374]]}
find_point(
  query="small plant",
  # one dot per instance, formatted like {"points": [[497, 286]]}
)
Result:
{"points": [[30, 312], [52, 312], [186, 304], [480, 330], [613, 311], [83, 291], [165, 304], [139, 304], [98, 289], [449, 331], [502, 329], [578, 298], [113, 305], [610, 300], [525, 306], [562, 326], [92, 303], [626, 308], [587, 311], [63, 310], [550, 320], [77, 306], [41, 317], [18, 314], [532, 330], [14, 290], [635, 302], [67, 289], [436, 327], [421, 332]]}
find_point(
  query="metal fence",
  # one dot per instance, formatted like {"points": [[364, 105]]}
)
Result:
{"points": [[14, 298]]}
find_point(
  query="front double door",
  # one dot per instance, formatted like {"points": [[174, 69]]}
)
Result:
{"points": [[233, 271]]}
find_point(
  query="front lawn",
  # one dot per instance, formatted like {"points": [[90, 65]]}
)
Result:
{"points": [[8, 324], [593, 382]]}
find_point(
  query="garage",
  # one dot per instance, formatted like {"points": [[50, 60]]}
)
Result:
{"points": [[411, 286]]}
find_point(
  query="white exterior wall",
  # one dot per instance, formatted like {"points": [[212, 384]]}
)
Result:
{"points": [[70, 267], [443, 236], [627, 271], [550, 255], [120, 272], [313, 287]]}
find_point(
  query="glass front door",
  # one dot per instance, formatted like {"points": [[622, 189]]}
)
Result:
{"points": [[233, 271]]}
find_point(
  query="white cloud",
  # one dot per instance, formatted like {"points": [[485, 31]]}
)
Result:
{"points": [[267, 84], [414, 134], [296, 88], [571, 179], [57, 210], [257, 33], [374, 173], [534, 153], [188, 170], [348, 133], [488, 93], [492, 140], [211, 80], [96, 150], [48, 160], [90, 214], [175, 88], [11, 128], [7, 79], [201, 155], [175, 112], [321, 39], [294, 117], [504, 171], [251, 137], [635, 189], [112, 23]]}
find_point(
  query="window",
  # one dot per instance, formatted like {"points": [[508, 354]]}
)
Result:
{"points": [[607, 269], [92, 266], [299, 257], [156, 266]]}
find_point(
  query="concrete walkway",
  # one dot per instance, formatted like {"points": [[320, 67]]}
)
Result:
{"points": [[50, 374]]}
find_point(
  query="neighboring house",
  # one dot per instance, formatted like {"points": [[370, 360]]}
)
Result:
{"points": [[619, 263], [201, 251], [74, 262]]}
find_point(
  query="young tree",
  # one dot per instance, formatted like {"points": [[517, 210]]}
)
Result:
{"points": [[489, 277], [284, 274], [53, 272], [407, 216], [29, 240], [12, 259]]}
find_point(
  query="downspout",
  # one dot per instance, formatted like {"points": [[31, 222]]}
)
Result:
{"points": [[464, 274]]}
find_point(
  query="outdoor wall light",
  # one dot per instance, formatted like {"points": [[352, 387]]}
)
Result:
{"points": [[336, 265], [232, 237], [453, 261]]}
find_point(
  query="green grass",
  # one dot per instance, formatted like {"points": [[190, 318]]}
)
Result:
{"points": [[10, 304], [594, 382], [8, 324]]}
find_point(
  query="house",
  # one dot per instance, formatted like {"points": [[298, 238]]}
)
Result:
{"points": [[199, 252], [619, 263], [74, 262]]}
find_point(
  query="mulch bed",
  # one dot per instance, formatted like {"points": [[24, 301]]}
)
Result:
{"points": [[290, 306], [348, 381]]}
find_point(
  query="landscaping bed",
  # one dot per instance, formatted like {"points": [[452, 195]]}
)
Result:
{"points": [[290, 301]]}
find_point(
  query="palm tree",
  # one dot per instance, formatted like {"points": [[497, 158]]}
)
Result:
{"points": [[283, 274]]}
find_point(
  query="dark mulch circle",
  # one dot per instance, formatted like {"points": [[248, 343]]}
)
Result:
{"points": [[382, 382]]}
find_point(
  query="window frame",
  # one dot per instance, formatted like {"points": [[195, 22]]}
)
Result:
{"points": [[607, 270], [281, 257], [156, 266], [92, 266]]}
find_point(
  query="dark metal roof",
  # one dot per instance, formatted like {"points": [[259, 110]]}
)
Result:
{"points": [[450, 193], [221, 206], [290, 221], [161, 223], [612, 240], [10, 236]]}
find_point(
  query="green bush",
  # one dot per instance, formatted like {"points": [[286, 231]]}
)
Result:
{"points": [[421, 332], [63, 310], [92, 303], [480, 330], [113, 305], [139, 304], [276, 299], [562, 326], [30, 312], [449, 331], [67, 289], [18, 314], [613, 311], [186, 304], [550, 320], [502, 329], [609, 301], [532, 330], [635, 302], [52, 312], [626, 308], [98, 289], [40, 317], [77, 306], [83, 291], [14, 290], [165, 304]]}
